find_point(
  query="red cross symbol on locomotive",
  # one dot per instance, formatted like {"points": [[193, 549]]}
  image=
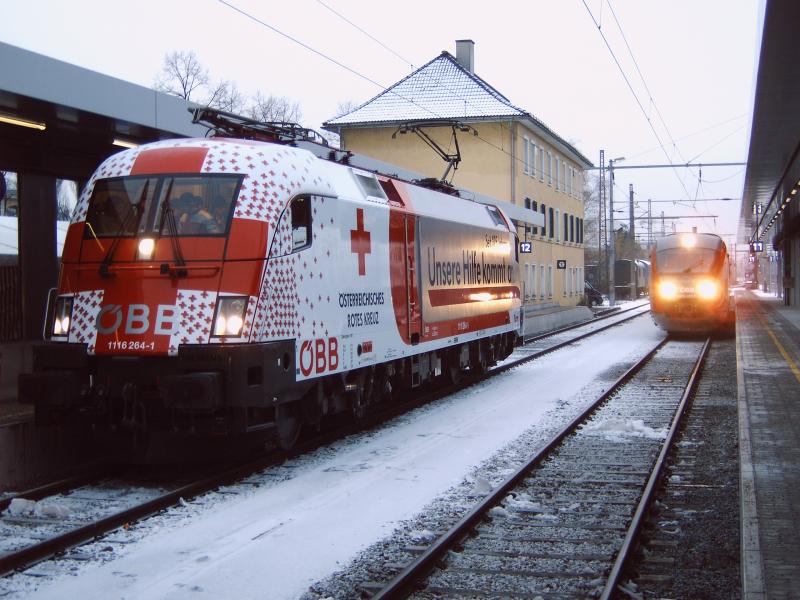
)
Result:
{"points": [[360, 242]]}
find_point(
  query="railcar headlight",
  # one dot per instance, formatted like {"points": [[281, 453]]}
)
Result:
{"points": [[667, 289], [707, 289], [229, 316], [62, 316]]}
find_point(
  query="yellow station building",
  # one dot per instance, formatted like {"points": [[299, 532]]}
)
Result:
{"points": [[505, 153]]}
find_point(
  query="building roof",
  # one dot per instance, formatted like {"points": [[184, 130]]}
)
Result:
{"points": [[442, 91]]}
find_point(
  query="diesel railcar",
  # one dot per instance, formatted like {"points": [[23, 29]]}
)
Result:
{"points": [[689, 283], [219, 286]]}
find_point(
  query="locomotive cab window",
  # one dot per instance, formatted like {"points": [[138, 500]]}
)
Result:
{"points": [[167, 205], [496, 216], [301, 223], [117, 205], [199, 205]]}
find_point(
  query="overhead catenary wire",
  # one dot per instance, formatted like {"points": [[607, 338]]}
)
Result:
{"points": [[694, 133], [635, 95], [366, 33], [644, 82], [358, 74], [384, 88]]}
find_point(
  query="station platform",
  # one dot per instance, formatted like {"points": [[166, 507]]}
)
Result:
{"points": [[768, 381]]}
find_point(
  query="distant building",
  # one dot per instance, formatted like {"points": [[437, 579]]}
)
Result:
{"points": [[514, 157]]}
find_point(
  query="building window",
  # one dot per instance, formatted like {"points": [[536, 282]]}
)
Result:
{"points": [[571, 228], [525, 287], [530, 205], [541, 281], [549, 169], [558, 172], [525, 167], [533, 159], [575, 280], [549, 281], [558, 218], [551, 224], [541, 164], [569, 181], [543, 210], [535, 208]]}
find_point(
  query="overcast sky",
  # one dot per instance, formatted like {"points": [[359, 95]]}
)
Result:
{"points": [[697, 58]]}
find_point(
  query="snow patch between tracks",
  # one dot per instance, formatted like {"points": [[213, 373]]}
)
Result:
{"points": [[618, 429]]}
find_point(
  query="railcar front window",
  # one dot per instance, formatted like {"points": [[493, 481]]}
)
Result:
{"points": [[699, 260], [116, 206]]}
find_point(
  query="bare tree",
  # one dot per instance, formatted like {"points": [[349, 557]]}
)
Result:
{"points": [[274, 108], [345, 107], [226, 96], [181, 74]]}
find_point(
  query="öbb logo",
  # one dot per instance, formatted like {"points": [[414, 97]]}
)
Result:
{"points": [[136, 319], [319, 355]]}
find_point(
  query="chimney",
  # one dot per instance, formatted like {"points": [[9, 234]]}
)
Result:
{"points": [[465, 54]]}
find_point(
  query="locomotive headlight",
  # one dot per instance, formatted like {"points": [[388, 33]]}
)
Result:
{"points": [[146, 247], [707, 289], [667, 289], [229, 316], [62, 316]]}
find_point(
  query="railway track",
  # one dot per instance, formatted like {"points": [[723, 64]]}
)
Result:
{"points": [[564, 524], [68, 514]]}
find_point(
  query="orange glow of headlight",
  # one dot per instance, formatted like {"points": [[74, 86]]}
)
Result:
{"points": [[707, 289], [667, 290], [481, 297]]}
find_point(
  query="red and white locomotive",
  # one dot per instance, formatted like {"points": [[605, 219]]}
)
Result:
{"points": [[221, 285]]}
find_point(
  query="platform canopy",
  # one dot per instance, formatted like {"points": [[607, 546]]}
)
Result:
{"points": [[773, 164], [62, 120]]}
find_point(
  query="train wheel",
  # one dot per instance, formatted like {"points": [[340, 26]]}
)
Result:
{"points": [[453, 366], [288, 424], [359, 400], [479, 357]]}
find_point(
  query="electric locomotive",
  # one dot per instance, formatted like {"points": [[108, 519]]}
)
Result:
{"points": [[689, 283], [228, 286]]}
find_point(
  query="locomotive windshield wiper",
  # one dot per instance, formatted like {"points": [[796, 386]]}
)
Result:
{"points": [[134, 210], [168, 218]]}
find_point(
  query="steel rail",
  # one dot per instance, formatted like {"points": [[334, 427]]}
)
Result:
{"points": [[55, 487], [30, 555], [49, 548], [558, 346], [606, 314], [649, 490], [404, 583]]}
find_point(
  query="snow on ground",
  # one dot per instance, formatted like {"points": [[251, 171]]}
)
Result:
{"points": [[618, 429], [275, 541]]}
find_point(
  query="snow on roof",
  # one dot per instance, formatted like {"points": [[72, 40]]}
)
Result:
{"points": [[441, 90]]}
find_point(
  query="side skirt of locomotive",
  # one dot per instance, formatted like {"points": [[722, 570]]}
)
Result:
{"points": [[225, 390]]}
